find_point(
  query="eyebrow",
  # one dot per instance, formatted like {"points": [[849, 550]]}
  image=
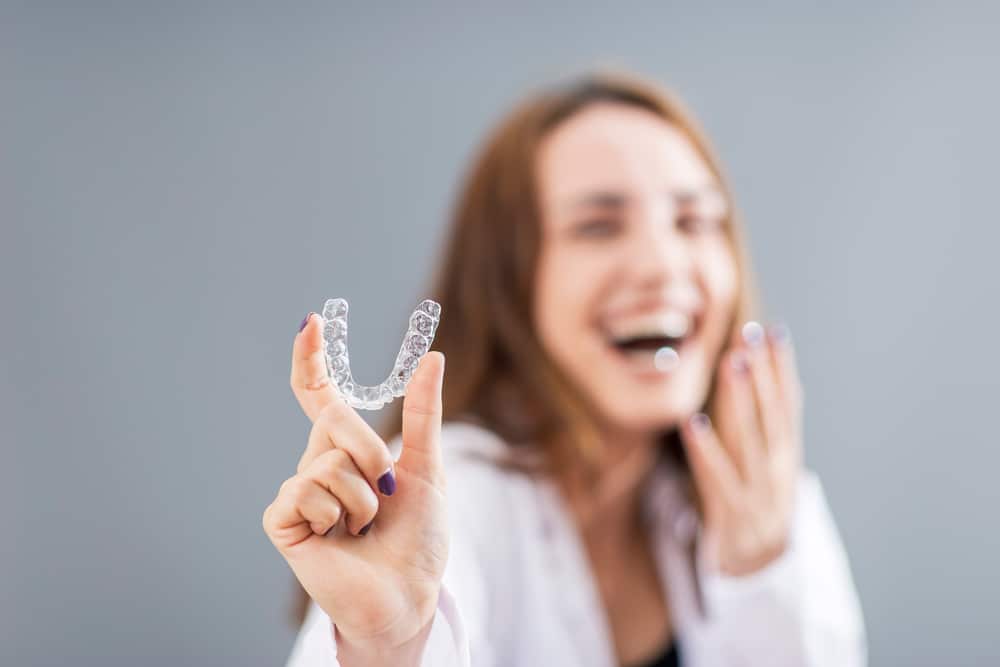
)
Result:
{"points": [[613, 199], [606, 199]]}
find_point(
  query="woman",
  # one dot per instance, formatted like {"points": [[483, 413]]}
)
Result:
{"points": [[608, 502]]}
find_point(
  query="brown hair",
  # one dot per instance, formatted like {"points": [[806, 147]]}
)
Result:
{"points": [[498, 374]]}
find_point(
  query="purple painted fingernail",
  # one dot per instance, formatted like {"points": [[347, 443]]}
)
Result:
{"points": [[364, 531], [387, 483], [739, 362], [305, 321], [779, 332], [700, 421], [753, 333]]}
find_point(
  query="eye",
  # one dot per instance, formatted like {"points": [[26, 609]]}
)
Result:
{"points": [[695, 224], [596, 228]]}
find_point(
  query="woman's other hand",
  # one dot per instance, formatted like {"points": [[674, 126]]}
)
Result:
{"points": [[379, 574], [747, 465]]}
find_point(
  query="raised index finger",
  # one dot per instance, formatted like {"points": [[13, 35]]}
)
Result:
{"points": [[310, 382]]}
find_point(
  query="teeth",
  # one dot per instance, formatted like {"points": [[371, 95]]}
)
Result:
{"points": [[416, 343], [669, 324], [676, 325]]}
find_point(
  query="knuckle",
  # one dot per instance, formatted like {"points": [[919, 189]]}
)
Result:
{"points": [[298, 490], [377, 458], [360, 505], [334, 462], [336, 512], [384, 460], [367, 508], [316, 383], [334, 412]]}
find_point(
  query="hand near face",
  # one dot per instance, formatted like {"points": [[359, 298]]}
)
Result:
{"points": [[746, 466]]}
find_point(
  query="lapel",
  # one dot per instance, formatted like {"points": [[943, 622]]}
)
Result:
{"points": [[674, 523], [577, 601]]}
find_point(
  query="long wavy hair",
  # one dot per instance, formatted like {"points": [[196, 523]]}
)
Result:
{"points": [[498, 373]]}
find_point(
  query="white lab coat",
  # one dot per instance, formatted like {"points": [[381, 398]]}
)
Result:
{"points": [[518, 590]]}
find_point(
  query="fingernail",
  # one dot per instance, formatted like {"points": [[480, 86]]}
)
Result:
{"points": [[387, 483], [779, 333], [753, 333], [739, 362], [305, 321], [364, 531], [700, 422]]}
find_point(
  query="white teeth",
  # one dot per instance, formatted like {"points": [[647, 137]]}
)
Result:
{"points": [[676, 324], [416, 343], [670, 324]]}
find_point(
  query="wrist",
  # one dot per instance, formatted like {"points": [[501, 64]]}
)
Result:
{"points": [[408, 654], [379, 652]]}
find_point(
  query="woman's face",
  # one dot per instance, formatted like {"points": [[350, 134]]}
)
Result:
{"points": [[634, 258]]}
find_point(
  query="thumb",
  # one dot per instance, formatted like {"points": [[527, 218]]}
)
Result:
{"points": [[422, 420]]}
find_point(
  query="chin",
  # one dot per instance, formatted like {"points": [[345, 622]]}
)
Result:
{"points": [[651, 416], [632, 397]]}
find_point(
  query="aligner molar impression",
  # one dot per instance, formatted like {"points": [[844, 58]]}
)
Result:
{"points": [[417, 341]]}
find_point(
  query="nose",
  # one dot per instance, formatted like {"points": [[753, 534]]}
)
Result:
{"points": [[659, 253]]}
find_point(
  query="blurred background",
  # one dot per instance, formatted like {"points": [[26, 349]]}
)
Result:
{"points": [[180, 182]]}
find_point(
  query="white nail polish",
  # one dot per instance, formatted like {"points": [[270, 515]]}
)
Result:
{"points": [[753, 333]]}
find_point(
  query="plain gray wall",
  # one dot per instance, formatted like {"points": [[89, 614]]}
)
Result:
{"points": [[181, 182]]}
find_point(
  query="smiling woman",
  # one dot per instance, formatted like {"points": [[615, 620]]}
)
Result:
{"points": [[623, 446], [543, 209]]}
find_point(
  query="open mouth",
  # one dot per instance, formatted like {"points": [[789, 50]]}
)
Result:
{"points": [[659, 353], [647, 344], [654, 343]]}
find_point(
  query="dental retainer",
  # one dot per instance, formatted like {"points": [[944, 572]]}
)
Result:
{"points": [[417, 341]]}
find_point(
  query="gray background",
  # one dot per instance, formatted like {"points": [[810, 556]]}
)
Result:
{"points": [[181, 182]]}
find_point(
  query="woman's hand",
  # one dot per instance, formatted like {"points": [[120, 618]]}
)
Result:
{"points": [[747, 468], [378, 576]]}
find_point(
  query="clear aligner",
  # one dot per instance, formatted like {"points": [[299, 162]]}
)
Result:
{"points": [[416, 343]]}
